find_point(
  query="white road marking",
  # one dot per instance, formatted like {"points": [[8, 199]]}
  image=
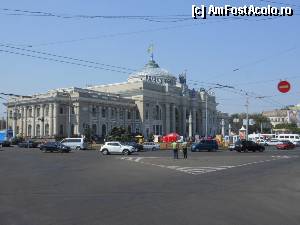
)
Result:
{"points": [[204, 169]]}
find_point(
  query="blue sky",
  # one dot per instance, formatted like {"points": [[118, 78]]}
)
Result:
{"points": [[264, 50]]}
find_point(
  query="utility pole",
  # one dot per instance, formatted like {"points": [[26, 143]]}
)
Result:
{"points": [[247, 117]]}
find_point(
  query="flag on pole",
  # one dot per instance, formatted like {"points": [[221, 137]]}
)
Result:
{"points": [[150, 49]]}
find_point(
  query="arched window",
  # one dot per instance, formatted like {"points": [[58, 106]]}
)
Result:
{"points": [[38, 130], [61, 130], [47, 129], [103, 130], [29, 129]]}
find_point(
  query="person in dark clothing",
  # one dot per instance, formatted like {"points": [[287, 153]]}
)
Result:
{"points": [[184, 150]]}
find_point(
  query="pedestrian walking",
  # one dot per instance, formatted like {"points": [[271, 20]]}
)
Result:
{"points": [[175, 149], [184, 150]]}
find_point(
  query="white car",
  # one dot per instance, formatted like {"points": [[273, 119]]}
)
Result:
{"points": [[115, 147], [274, 142], [151, 146]]}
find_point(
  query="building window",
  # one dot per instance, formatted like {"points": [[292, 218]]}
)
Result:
{"points": [[47, 129], [129, 115], [29, 129], [137, 114], [129, 129], [72, 130], [47, 111], [38, 130], [147, 114], [10, 114], [61, 110], [38, 112], [94, 111], [103, 130], [121, 114], [73, 110], [94, 129], [61, 130], [30, 112], [103, 112], [112, 113]]}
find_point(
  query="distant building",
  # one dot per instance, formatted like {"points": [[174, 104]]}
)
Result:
{"points": [[152, 101], [282, 116]]}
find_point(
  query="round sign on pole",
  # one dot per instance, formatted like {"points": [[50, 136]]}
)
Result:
{"points": [[284, 86]]}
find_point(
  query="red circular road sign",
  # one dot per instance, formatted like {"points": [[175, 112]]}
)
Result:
{"points": [[284, 86]]}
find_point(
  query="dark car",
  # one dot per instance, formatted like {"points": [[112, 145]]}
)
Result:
{"points": [[54, 146], [137, 146], [28, 144], [244, 146], [5, 143], [206, 145], [285, 145]]}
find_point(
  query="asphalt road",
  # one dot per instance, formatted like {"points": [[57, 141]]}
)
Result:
{"points": [[210, 188]]}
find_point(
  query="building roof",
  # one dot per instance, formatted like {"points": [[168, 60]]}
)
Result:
{"points": [[152, 72]]}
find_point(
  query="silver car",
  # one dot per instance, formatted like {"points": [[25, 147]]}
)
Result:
{"points": [[151, 146]]}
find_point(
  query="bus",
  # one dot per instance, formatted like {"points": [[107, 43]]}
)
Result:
{"points": [[289, 137]]}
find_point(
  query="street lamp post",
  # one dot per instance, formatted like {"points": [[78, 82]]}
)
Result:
{"points": [[218, 86]]}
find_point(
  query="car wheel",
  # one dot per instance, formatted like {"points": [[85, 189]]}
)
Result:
{"points": [[153, 149], [126, 152], [77, 148], [105, 152]]}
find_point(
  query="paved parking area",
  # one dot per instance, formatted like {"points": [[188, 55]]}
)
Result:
{"points": [[151, 188]]}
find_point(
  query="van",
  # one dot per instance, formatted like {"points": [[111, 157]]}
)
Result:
{"points": [[75, 143]]}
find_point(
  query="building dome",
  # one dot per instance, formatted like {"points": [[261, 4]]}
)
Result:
{"points": [[153, 73]]}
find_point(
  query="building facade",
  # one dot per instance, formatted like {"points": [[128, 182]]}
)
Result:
{"points": [[283, 116], [152, 101]]}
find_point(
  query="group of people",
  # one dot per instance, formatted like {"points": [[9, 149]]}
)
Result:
{"points": [[179, 146]]}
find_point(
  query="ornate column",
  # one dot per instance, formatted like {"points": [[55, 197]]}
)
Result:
{"points": [[25, 121], [173, 118], [183, 121], [33, 121], [42, 120], [54, 132], [194, 120], [50, 119], [22, 121], [167, 111], [190, 124]]}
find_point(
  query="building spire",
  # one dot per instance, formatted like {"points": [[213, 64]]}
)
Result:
{"points": [[150, 51]]}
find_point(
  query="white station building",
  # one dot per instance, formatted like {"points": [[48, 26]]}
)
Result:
{"points": [[152, 101]]}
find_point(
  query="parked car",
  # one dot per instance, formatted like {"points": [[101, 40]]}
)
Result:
{"points": [[274, 142], [137, 146], [75, 143], [151, 146], [116, 148], [262, 142], [209, 145], [54, 146], [297, 143], [231, 147], [285, 145], [6, 144], [244, 146], [28, 144]]}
